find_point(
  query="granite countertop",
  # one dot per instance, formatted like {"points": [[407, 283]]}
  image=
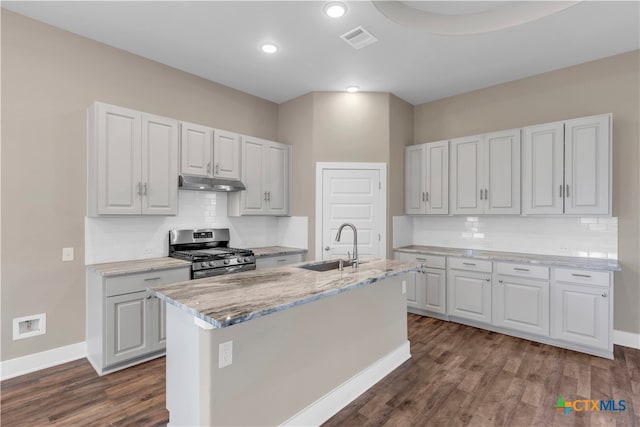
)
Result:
{"points": [[137, 266], [226, 300], [268, 251], [548, 260]]}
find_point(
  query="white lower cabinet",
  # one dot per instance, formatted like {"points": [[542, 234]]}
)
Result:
{"points": [[521, 304], [469, 295], [126, 325], [427, 288], [582, 314], [571, 308]]}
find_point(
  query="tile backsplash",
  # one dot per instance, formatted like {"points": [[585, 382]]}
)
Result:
{"points": [[109, 239], [570, 236]]}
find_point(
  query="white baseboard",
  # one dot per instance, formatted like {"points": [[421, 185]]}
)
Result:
{"points": [[331, 403], [626, 339], [45, 359]]}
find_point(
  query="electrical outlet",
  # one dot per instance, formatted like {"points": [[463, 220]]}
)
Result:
{"points": [[404, 287], [225, 354], [67, 254]]}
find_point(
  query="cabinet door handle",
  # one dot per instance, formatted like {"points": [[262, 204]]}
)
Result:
{"points": [[561, 192], [521, 269], [469, 263], [269, 195], [487, 279], [423, 197], [208, 168], [150, 279], [281, 260], [499, 281], [217, 168], [567, 192], [427, 193], [139, 189], [326, 248], [144, 189], [486, 194], [149, 297], [581, 275], [481, 194], [604, 295], [265, 196], [421, 259]]}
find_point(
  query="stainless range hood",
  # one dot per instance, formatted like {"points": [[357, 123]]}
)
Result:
{"points": [[203, 183]]}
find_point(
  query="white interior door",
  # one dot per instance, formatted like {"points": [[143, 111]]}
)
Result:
{"points": [[352, 196]]}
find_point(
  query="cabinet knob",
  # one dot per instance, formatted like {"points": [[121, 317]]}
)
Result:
{"points": [[326, 248], [487, 279], [499, 281], [604, 295]]}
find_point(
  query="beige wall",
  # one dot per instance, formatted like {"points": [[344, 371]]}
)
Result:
{"points": [[49, 78], [345, 127], [400, 135], [610, 85]]}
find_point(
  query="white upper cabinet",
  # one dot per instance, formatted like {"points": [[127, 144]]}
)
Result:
{"points": [[414, 164], [467, 172], [159, 165], [485, 174], [502, 172], [266, 172], [567, 167], [587, 165], [543, 169], [437, 177], [132, 162], [209, 152], [195, 149], [427, 178], [226, 154]]}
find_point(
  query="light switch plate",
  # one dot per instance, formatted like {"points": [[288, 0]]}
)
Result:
{"points": [[67, 254]]}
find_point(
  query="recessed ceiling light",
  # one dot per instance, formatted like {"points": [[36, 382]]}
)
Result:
{"points": [[269, 48], [352, 89], [335, 9]]}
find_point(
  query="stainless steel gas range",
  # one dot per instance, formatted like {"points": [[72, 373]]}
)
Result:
{"points": [[209, 252]]}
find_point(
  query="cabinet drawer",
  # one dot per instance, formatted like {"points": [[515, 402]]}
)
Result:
{"points": [[141, 281], [587, 277], [432, 261], [470, 264], [523, 270]]}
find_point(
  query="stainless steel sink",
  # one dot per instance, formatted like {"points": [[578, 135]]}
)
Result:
{"points": [[333, 264]]}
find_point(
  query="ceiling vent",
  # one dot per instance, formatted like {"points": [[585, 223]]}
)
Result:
{"points": [[358, 38]]}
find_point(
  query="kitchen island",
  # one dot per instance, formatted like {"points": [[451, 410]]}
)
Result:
{"points": [[282, 345]]}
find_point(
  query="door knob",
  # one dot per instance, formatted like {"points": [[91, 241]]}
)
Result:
{"points": [[326, 248]]}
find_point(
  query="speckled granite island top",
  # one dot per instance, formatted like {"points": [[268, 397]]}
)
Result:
{"points": [[268, 251], [548, 260], [137, 266], [234, 298]]}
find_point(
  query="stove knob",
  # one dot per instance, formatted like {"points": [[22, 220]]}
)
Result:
{"points": [[247, 260], [226, 261], [205, 264]]}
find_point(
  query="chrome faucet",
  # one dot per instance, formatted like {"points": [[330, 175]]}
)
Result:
{"points": [[355, 261]]}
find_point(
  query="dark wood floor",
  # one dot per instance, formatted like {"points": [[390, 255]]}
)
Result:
{"points": [[457, 375]]}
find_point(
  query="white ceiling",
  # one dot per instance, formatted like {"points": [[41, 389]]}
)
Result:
{"points": [[219, 41]]}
